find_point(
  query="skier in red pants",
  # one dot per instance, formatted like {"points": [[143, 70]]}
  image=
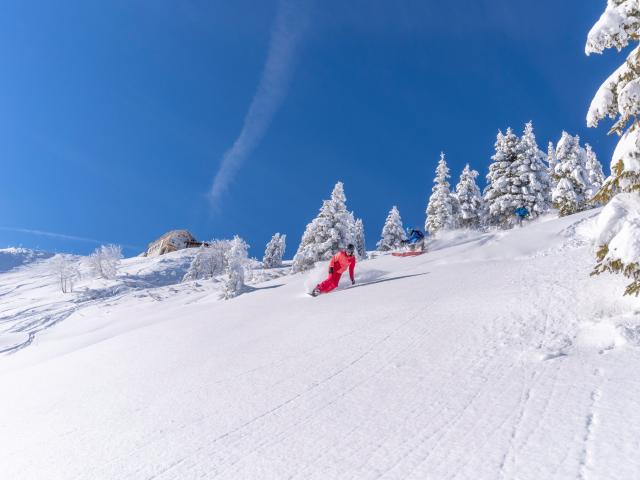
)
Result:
{"points": [[337, 266]]}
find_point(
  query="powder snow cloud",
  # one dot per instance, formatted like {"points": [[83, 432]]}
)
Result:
{"points": [[286, 37]]}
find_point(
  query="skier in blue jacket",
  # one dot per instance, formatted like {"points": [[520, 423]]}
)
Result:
{"points": [[415, 240], [521, 214]]}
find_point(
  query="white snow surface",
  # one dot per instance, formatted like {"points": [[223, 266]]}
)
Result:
{"points": [[618, 226], [14, 257], [494, 355]]}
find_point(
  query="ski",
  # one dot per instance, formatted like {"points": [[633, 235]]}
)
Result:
{"points": [[407, 254]]}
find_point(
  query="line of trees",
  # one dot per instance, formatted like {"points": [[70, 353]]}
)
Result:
{"points": [[520, 175]]}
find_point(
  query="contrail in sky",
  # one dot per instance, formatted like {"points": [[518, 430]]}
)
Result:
{"points": [[41, 233], [60, 236], [286, 36]]}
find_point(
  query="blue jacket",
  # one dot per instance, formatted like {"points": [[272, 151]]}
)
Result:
{"points": [[415, 237], [522, 212]]}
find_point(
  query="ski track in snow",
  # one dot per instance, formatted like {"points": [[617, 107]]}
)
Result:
{"points": [[492, 356]]}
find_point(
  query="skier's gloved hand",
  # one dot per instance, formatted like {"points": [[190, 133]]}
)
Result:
{"points": [[330, 269]]}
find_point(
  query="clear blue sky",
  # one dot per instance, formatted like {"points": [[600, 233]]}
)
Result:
{"points": [[115, 116]]}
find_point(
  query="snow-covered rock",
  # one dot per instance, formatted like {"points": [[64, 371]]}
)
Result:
{"points": [[170, 242]]}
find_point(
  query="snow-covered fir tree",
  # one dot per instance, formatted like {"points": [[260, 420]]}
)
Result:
{"points": [[274, 251], [392, 233], [618, 237], [571, 177], [518, 177], [551, 165], [534, 179], [502, 194], [594, 172], [470, 200], [331, 230], [210, 261], [237, 258], [443, 204], [360, 241]]}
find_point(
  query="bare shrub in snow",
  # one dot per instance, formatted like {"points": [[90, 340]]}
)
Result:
{"points": [[64, 267], [274, 251], [105, 260], [618, 98]]}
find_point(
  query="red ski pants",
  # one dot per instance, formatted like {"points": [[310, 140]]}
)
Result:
{"points": [[330, 283]]}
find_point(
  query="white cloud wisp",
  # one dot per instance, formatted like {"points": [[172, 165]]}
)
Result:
{"points": [[59, 236], [284, 44]]}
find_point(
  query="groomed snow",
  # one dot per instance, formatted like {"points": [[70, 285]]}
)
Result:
{"points": [[492, 356]]}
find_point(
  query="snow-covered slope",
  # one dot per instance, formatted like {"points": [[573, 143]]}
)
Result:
{"points": [[492, 356], [11, 258]]}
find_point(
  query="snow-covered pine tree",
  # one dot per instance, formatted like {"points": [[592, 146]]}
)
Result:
{"points": [[469, 199], [535, 185], [594, 172], [209, 261], [551, 166], [619, 97], [443, 204], [274, 251], [392, 233], [237, 258], [502, 194], [331, 230], [571, 177], [360, 242]]}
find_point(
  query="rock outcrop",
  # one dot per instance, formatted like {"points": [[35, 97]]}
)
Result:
{"points": [[170, 242]]}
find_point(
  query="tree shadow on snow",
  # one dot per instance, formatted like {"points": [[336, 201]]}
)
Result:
{"points": [[382, 280], [249, 289]]}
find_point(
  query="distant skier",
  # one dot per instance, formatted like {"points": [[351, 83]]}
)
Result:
{"points": [[415, 240], [521, 214], [339, 264]]}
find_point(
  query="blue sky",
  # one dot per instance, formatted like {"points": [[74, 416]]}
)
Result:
{"points": [[115, 117]]}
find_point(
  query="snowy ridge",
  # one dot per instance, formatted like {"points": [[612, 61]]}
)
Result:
{"points": [[492, 356], [11, 258]]}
